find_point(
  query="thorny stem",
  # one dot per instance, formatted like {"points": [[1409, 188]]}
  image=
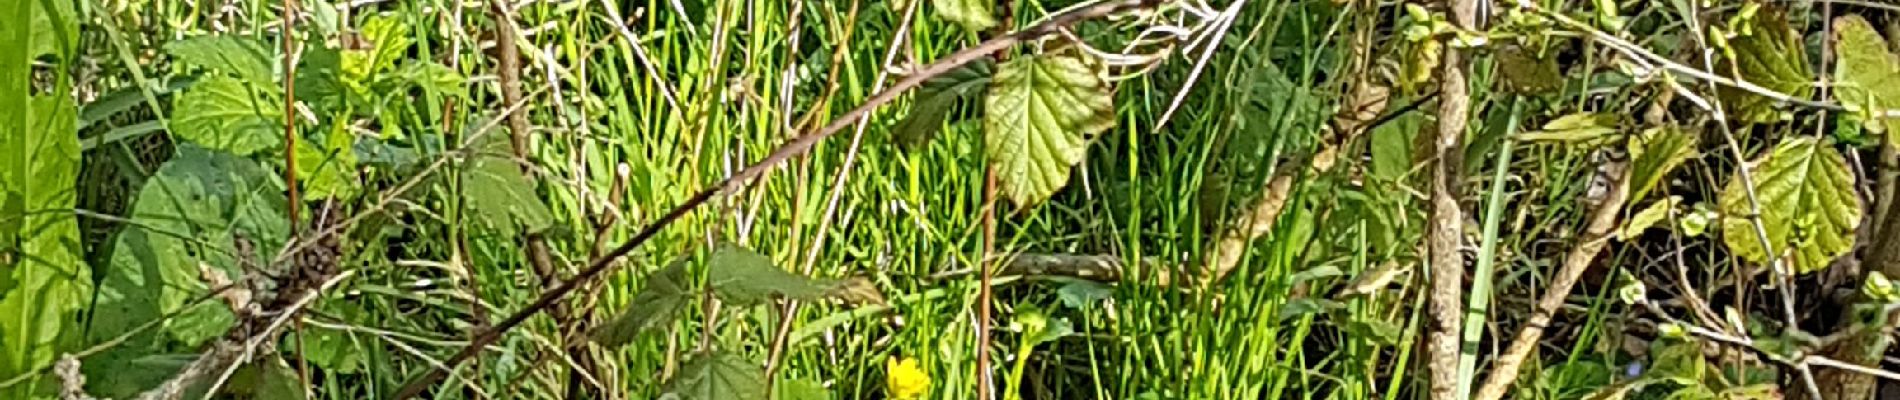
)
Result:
{"points": [[795, 147]]}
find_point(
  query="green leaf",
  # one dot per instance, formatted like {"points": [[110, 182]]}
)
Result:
{"points": [[44, 282], [1042, 111], [971, 14], [238, 55], [223, 113], [500, 195], [1526, 72], [1655, 153], [55, 31], [800, 389], [1083, 294], [434, 77], [937, 97], [1648, 217], [1579, 128], [1676, 358], [388, 39], [270, 379], [189, 215], [743, 277], [334, 351], [653, 307], [1768, 54], [1807, 203], [718, 376], [1868, 75], [327, 170]]}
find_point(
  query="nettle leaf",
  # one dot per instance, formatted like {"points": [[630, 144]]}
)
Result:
{"points": [[223, 113], [1868, 75], [44, 282], [718, 376], [327, 169], [189, 215], [241, 56], [653, 307], [1655, 153], [937, 97], [744, 277], [974, 15], [500, 194], [1042, 111], [1769, 54], [1807, 204]]}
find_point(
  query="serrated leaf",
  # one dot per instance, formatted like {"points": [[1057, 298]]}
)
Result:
{"points": [[1655, 153], [223, 113], [188, 214], [44, 282], [653, 307], [1041, 112], [500, 195], [327, 169], [937, 96], [1868, 75], [743, 277], [240, 56], [974, 15], [1770, 55], [718, 376], [1807, 201], [1648, 217]]}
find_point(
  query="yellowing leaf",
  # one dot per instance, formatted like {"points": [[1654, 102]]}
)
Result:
{"points": [[1868, 74], [971, 14], [1583, 127], [1646, 218], [1041, 112], [1654, 153], [1770, 54], [1807, 202]]}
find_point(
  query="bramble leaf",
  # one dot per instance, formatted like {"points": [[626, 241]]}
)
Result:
{"points": [[971, 14], [1042, 111], [718, 376], [1807, 203], [1868, 75], [937, 97], [1768, 54]]}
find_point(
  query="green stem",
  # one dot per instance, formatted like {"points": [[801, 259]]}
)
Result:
{"points": [[1480, 303]]}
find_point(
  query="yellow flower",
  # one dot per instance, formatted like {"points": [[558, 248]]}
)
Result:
{"points": [[904, 379]]}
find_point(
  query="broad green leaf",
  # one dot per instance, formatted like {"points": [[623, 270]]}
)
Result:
{"points": [[434, 77], [1676, 358], [499, 194], [971, 14], [1868, 75], [1653, 155], [1041, 112], [55, 31], [190, 215], [718, 376], [44, 282], [388, 38], [1640, 222], [1768, 54], [223, 113], [800, 389], [269, 379], [241, 56], [334, 351], [1807, 204], [743, 277], [937, 97], [1082, 295], [327, 169], [652, 308]]}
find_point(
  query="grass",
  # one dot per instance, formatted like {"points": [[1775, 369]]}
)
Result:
{"points": [[637, 105]]}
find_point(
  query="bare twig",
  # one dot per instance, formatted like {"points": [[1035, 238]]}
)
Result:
{"points": [[1446, 228], [795, 147], [1596, 235]]}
